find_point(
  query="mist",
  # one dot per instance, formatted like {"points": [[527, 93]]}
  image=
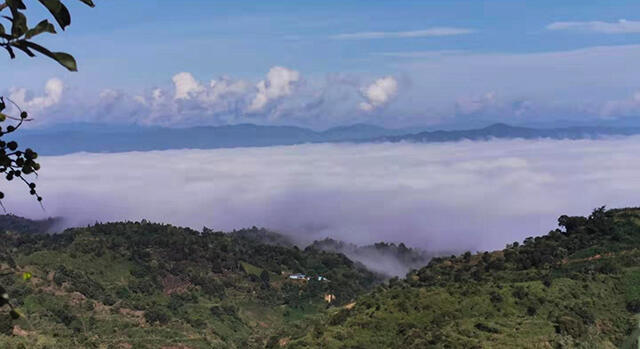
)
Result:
{"points": [[448, 196]]}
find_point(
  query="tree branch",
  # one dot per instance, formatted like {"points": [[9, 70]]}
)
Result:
{"points": [[3, 5]]}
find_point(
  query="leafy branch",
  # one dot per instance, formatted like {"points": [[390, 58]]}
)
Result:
{"points": [[20, 35], [16, 163]]}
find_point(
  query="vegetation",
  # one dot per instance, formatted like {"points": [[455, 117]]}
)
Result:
{"points": [[385, 258], [144, 285], [16, 224], [576, 287], [151, 285]]}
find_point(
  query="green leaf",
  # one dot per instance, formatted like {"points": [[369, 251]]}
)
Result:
{"points": [[3, 117], [59, 12], [42, 27], [19, 25], [2, 31], [64, 59], [88, 2]]}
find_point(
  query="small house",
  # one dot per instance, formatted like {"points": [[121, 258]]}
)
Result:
{"points": [[298, 277]]}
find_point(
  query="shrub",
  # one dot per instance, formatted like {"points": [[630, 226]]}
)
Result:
{"points": [[156, 314], [486, 328], [340, 317], [633, 306], [496, 297], [567, 325], [6, 324]]}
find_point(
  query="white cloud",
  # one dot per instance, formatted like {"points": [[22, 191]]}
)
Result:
{"points": [[431, 32], [225, 86], [433, 87], [53, 90], [620, 27], [436, 196], [279, 83], [379, 93], [185, 85]]}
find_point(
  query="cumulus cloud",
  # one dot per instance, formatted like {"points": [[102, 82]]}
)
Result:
{"points": [[279, 83], [622, 26], [223, 100], [437, 31], [466, 195], [379, 93], [53, 90], [185, 85]]}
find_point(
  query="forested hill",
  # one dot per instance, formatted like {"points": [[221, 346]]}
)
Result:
{"points": [[576, 287], [9, 222], [388, 259], [144, 285]]}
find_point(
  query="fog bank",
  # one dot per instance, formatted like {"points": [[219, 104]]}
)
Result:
{"points": [[449, 196]]}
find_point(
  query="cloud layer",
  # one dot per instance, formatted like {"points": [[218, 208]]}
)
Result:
{"points": [[622, 26], [282, 96], [450, 88], [438, 31], [467, 195]]}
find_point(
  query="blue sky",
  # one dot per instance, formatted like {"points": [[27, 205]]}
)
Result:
{"points": [[393, 63]]}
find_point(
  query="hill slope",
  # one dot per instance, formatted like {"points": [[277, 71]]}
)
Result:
{"points": [[578, 287], [149, 286]]}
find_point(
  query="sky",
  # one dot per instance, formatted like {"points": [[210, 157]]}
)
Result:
{"points": [[321, 64], [447, 196]]}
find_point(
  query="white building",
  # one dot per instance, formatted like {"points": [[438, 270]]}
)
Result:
{"points": [[298, 277]]}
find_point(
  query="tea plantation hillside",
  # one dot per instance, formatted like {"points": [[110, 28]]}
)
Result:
{"points": [[578, 287], [143, 285]]}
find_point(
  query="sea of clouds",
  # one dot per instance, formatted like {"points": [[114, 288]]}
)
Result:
{"points": [[448, 196]]}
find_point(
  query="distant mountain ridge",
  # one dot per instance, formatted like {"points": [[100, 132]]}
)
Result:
{"points": [[73, 138], [501, 130]]}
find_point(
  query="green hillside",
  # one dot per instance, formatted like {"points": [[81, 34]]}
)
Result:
{"points": [[574, 288], [143, 285]]}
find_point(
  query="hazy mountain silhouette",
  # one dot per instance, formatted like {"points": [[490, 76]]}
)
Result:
{"points": [[71, 138]]}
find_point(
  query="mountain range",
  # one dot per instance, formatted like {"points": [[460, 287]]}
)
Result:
{"points": [[72, 138]]}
